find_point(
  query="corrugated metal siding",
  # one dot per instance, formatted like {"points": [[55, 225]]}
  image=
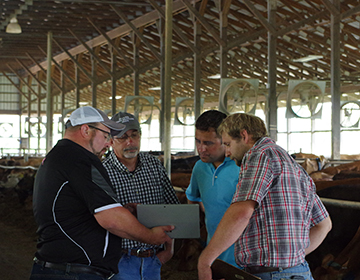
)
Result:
{"points": [[9, 97]]}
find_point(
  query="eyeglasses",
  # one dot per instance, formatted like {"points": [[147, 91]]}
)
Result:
{"points": [[134, 136], [108, 134]]}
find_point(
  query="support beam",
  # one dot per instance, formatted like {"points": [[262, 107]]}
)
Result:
{"points": [[334, 10], [223, 49], [62, 110], [111, 43], [167, 97], [43, 71], [204, 23], [272, 78], [335, 83], [350, 12], [49, 96], [31, 74], [39, 87], [93, 83], [268, 25], [77, 90], [99, 61], [87, 74], [15, 85], [59, 67], [161, 29], [175, 28], [197, 70], [116, 32], [113, 83], [136, 61], [23, 81], [136, 31]]}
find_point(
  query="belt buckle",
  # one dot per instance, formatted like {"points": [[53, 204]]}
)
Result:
{"points": [[138, 252]]}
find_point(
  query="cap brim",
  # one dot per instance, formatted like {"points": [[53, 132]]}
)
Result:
{"points": [[114, 125], [128, 127]]}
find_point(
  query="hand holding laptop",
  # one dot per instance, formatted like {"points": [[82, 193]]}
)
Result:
{"points": [[132, 208]]}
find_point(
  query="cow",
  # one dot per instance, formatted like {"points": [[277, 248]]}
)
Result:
{"points": [[20, 176], [346, 174], [181, 180], [346, 265], [350, 157], [303, 155], [311, 163], [333, 170], [345, 221], [321, 176], [340, 172]]}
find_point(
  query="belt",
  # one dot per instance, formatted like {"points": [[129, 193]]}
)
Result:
{"points": [[140, 253], [262, 269], [76, 268]]}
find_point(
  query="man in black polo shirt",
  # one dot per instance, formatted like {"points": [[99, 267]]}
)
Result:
{"points": [[80, 220]]}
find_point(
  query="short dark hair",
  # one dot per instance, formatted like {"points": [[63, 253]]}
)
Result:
{"points": [[210, 119]]}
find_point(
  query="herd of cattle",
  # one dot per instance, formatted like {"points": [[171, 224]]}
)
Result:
{"points": [[338, 257]]}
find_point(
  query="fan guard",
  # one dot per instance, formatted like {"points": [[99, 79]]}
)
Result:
{"points": [[141, 107], [238, 95], [305, 99], [350, 114], [185, 111]]}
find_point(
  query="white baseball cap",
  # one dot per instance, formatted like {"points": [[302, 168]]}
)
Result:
{"points": [[88, 114]]}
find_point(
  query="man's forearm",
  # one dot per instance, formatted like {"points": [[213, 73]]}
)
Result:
{"points": [[317, 234], [119, 221]]}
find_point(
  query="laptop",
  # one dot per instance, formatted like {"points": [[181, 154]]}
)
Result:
{"points": [[223, 270], [185, 218]]}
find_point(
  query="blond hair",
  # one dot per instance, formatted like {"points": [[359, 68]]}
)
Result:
{"points": [[236, 123]]}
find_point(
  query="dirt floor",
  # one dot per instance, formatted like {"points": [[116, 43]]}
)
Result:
{"points": [[18, 242]]}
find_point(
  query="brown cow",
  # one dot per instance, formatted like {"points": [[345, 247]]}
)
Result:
{"points": [[333, 170], [350, 157], [339, 172], [346, 263], [311, 163], [181, 180], [321, 176], [303, 155], [314, 164], [345, 220]]}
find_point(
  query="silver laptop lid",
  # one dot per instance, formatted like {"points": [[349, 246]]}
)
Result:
{"points": [[185, 218]]}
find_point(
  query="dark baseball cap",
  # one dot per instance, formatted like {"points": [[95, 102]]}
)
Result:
{"points": [[128, 120]]}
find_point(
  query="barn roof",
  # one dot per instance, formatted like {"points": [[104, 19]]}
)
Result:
{"points": [[121, 38]]}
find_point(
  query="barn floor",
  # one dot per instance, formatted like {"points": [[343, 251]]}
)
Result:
{"points": [[18, 242]]}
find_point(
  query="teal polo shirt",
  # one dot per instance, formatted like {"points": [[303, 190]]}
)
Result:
{"points": [[215, 189]]}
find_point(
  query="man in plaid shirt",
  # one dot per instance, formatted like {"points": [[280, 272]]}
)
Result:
{"points": [[138, 178], [276, 217]]}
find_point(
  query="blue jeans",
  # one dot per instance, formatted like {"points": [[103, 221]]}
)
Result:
{"points": [[135, 268], [43, 273], [299, 272]]}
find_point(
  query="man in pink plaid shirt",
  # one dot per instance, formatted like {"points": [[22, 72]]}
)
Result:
{"points": [[276, 217]]}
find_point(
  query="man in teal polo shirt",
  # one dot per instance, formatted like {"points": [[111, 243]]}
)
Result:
{"points": [[214, 176]]}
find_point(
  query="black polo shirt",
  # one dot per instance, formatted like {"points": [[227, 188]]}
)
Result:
{"points": [[70, 187]]}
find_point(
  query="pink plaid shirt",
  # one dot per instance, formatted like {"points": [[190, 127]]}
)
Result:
{"points": [[288, 206]]}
